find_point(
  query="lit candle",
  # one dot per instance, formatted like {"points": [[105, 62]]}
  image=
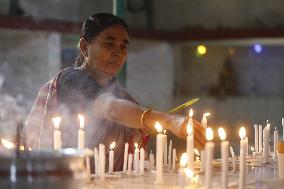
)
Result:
{"points": [[243, 144], [165, 148], [260, 138], [57, 144], [265, 144], [256, 137], [88, 153], [126, 145], [275, 143], [202, 153], [81, 133], [111, 157], [142, 161], [102, 161], [96, 159], [190, 146], [183, 163], [130, 160], [224, 154], [159, 153], [174, 159], [247, 147], [136, 158], [170, 154], [209, 148]]}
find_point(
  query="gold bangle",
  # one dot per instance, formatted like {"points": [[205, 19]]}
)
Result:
{"points": [[143, 115]]}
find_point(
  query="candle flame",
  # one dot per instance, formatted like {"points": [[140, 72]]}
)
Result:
{"points": [[7, 144], [82, 120], [112, 145], [183, 160], [136, 145], [252, 149], [56, 122], [189, 128], [165, 132], [158, 127], [268, 126], [209, 134], [196, 152], [22, 147], [242, 132], [188, 172], [190, 113], [206, 114], [222, 133]]}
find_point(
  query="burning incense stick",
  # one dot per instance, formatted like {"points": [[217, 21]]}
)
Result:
{"points": [[188, 103]]}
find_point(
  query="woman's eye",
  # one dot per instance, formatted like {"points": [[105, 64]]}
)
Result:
{"points": [[110, 44]]}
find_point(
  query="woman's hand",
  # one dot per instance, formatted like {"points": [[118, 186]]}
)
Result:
{"points": [[179, 128]]}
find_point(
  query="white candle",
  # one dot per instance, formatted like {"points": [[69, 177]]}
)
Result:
{"points": [[224, 156], [209, 148], [256, 137], [275, 141], [243, 144], [183, 163], [96, 159], [136, 158], [234, 158], [247, 147], [142, 161], [165, 148], [202, 153], [174, 159], [130, 160], [190, 146], [159, 153], [170, 154], [111, 157], [126, 145], [81, 133], [88, 153], [152, 161], [260, 138], [102, 161], [265, 144], [57, 144]]}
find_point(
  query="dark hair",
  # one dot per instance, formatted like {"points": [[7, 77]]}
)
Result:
{"points": [[94, 25]]}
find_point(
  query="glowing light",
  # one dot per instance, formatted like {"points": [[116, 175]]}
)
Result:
{"points": [[206, 114], [242, 132], [222, 133], [82, 121], [190, 113], [209, 134], [201, 50], [183, 160], [7, 144], [112, 145], [56, 122], [165, 132], [136, 145], [252, 149], [158, 127], [257, 48], [188, 172]]}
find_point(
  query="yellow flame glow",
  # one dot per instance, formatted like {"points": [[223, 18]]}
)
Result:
{"points": [[165, 132], [188, 172], [82, 121], [56, 122], [196, 152], [183, 160], [190, 113], [7, 144], [112, 145], [222, 133], [206, 114], [136, 145], [158, 127], [242, 132], [209, 134]]}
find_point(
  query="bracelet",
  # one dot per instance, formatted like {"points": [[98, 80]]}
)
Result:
{"points": [[143, 115]]}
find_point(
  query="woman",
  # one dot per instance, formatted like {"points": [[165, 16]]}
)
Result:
{"points": [[92, 89]]}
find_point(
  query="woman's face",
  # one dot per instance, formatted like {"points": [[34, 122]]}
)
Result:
{"points": [[107, 53]]}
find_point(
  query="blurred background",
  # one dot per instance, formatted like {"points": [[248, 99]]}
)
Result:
{"points": [[230, 54]]}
